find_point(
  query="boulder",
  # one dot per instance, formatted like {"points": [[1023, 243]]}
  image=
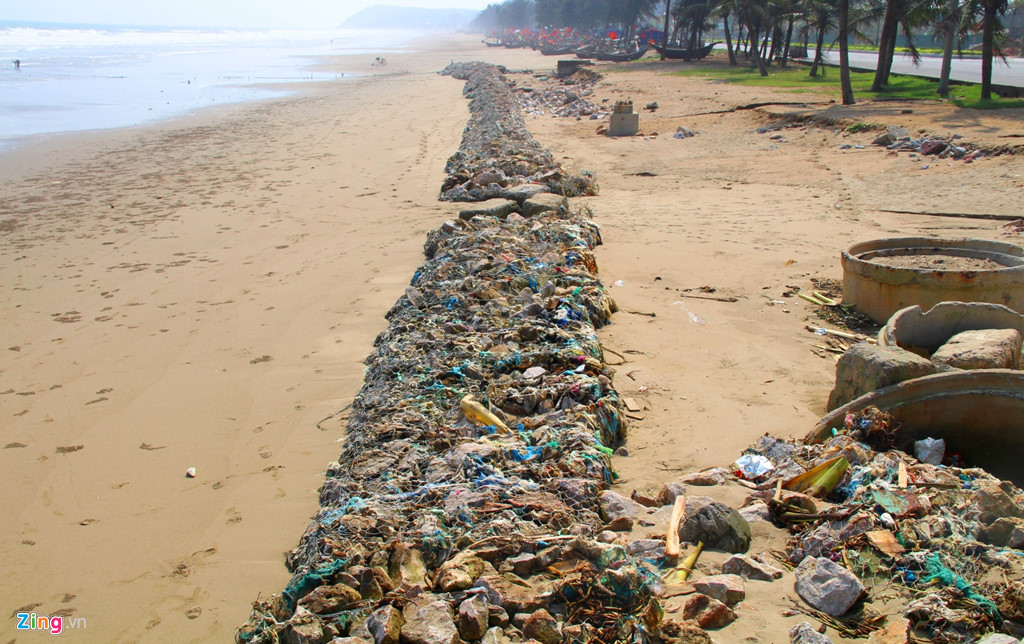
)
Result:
{"points": [[474, 618], [713, 476], [804, 633], [930, 450], [429, 620], [749, 568], [981, 349], [867, 367], [614, 505], [1006, 532], [495, 635], [525, 191], [542, 202], [385, 625], [709, 613], [990, 501], [499, 208], [726, 588], [668, 494], [718, 526], [511, 594], [330, 599], [304, 628], [827, 586], [459, 572], [542, 627], [756, 511]]}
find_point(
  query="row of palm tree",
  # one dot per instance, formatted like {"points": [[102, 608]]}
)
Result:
{"points": [[766, 27]]}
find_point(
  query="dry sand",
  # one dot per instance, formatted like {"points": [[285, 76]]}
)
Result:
{"points": [[201, 293]]}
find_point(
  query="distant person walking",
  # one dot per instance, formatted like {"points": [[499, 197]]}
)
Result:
{"points": [[17, 63]]}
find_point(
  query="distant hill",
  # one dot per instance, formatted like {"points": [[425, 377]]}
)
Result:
{"points": [[391, 17]]}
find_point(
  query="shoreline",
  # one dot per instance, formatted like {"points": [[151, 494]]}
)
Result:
{"points": [[200, 293]]}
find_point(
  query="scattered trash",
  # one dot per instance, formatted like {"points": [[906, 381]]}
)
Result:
{"points": [[753, 466], [190, 472], [498, 157]]}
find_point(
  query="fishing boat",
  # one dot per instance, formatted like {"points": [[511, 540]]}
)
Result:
{"points": [[557, 51], [685, 54], [619, 57]]}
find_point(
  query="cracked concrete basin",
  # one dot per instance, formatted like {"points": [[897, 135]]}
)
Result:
{"points": [[878, 290]]}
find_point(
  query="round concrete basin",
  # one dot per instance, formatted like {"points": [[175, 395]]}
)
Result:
{"points": [[878, 289], [922, 333], [979, 413]]}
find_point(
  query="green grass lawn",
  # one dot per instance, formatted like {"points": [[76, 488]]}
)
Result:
{"points": [[795, 78]]}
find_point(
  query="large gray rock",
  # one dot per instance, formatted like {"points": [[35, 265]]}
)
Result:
{"points": [[749, 568], [981, 349], [474, 616], [827, 586], [499, 208], [708, 612], [1006, 532], [304, 629], [495, 635], [542, 627], [804, 633], [614, 505], [718, 526], [385, 624], [726, 588], [867, 367], [513, 595], [525, 191], [543, 202], [429, 621]]}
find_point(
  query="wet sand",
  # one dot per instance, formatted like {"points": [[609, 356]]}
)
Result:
{"points": [[202, 293]]}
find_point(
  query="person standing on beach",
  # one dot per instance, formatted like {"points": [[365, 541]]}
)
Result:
{"points": [[17, 63]]}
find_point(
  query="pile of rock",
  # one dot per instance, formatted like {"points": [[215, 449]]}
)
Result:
{"points": [[498, 155]]}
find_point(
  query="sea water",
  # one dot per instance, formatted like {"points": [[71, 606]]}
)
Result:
{"points": [[86, 77]]}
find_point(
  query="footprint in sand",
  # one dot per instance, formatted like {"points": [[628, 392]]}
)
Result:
{"points": [[233, 516]]}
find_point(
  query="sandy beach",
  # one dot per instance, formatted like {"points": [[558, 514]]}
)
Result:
{"points": [[202, 293]]}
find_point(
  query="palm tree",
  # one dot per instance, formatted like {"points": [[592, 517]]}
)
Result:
{"points": [[899, 15], [821, 16], [694, 16], [758, 18], [990, 26], [949, 19], [844, 52]]}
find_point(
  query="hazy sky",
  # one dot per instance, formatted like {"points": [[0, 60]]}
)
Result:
{"points": [[212, 13]]}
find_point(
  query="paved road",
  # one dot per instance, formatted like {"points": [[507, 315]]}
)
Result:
{"points": [[966, 69]]}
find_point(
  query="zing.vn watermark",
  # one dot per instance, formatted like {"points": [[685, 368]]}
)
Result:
{"points": [[54, 624]]}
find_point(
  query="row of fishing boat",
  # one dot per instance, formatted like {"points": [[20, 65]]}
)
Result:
{"points": [[603, 52]]}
